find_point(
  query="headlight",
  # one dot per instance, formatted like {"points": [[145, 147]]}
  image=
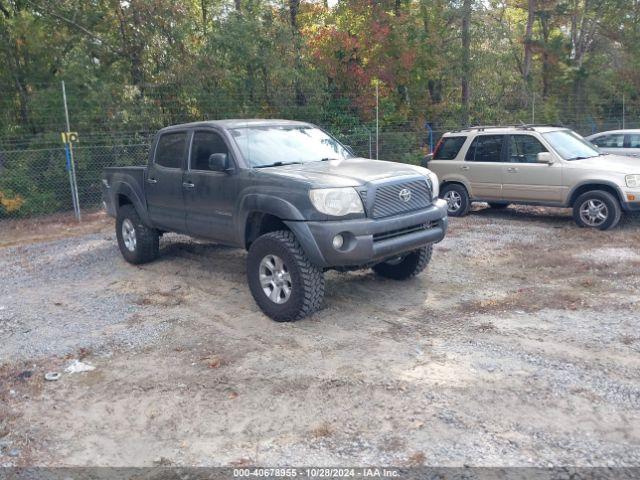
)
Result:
{"points": [[336, 201], [632, 181], [435, 185]]}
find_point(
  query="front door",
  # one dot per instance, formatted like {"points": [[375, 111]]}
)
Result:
{"points": [[163, 184], [209, 194], [483, 166], [524, 179]]}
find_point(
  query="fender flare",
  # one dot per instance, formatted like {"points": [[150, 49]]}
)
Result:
{"points": [[267, 204], [595, 183], [129, 191]]}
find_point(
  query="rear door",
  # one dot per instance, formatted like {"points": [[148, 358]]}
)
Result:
{"points": [[163, 185], [210, 195], [445, 162], [524, 179], [482, 166]]}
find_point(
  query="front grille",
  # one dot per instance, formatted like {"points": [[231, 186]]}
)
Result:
{"points": [[387, 200], [403, 231]]}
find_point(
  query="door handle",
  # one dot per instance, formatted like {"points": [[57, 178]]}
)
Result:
{"points": [[188, 185], [464, 167], [512, 170], [152, 180]]}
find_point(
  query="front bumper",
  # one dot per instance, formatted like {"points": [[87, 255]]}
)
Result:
{"points": [[368, 241], [631, 206]]}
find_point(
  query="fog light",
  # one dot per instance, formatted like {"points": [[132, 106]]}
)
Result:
{"points": [[631, 197], [338, 241]]}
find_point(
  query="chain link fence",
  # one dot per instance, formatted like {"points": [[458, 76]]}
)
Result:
{"points": [[33, 167], [36, 181]]}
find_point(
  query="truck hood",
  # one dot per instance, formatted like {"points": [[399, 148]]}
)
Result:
{"points": [[352, 172], [610, 163]]}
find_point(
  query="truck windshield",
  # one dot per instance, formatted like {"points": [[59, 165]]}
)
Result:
{"points": [[272, 145], [570, 145]]}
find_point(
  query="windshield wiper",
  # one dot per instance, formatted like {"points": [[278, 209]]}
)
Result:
{"points": [[326, 159], [580, 158], [278, 164]]}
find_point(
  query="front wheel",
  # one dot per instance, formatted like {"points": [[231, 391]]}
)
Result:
{"points": [[406, 266], [283, 282], [138, 243], [457, 198], [597, 209]]}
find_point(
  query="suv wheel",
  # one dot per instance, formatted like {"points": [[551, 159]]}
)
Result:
{"points": [[410, 265], [597, 209], [283, 282], [138, 243], [458, 202]]}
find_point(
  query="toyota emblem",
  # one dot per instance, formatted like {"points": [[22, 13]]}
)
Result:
{"points": [[405, 195]]}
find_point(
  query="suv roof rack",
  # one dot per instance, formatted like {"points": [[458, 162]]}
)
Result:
{"points": [[520, 126]]}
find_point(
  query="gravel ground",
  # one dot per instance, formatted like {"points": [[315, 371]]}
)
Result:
{"points": [[518, 346]]}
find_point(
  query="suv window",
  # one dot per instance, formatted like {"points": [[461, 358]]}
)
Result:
{"points": [[485, 148], [634, 140], [609, 141], [170, 149], [524, 149], [204, 145], [448, 148]]}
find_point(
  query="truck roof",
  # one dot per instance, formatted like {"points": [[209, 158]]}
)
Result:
{"points": [[238, 123]]}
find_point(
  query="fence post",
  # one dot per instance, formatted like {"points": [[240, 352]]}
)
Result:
{"points": [[71, 167]]}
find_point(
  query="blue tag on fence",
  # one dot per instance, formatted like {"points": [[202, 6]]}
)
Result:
{"points": [[68, 155]]}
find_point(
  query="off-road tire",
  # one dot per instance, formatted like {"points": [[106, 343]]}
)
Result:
{"points": [[307, 280], [147, 239], [498, 205], [614, 211], [410, 266], [465, 201]]}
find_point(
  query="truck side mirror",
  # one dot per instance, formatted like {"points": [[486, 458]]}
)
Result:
{"points": [[426, 159], [218, 162], [545, 157]]}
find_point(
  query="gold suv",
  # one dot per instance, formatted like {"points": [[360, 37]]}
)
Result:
{"points": [[535, 165]]}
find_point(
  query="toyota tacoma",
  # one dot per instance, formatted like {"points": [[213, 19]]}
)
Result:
{"points": [[292, 195]]}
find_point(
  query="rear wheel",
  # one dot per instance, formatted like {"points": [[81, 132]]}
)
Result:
{"points": [[406, 266], [458, 201], [283, 282], [137, 242], [597, 209]]}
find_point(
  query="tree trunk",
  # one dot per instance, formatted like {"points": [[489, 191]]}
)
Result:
{"points": [[528, 52], [466, 60], [294, 7]]}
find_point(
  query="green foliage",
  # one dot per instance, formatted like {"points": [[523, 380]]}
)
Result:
{"points": [[134, 66]]}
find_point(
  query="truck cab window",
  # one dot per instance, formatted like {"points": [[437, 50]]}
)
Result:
{"points": [[204, 145], [170, 150]]}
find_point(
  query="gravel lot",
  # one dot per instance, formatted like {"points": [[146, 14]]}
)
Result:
{"points": [[518, 346]]}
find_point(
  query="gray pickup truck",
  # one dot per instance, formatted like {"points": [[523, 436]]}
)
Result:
{"points": [[293, 196]]}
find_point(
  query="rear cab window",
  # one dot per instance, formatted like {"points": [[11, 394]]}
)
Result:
{"points": [[448, 148], [170, 150]]}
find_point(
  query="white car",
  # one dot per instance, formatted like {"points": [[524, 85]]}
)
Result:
{"points": [[619, 142]]}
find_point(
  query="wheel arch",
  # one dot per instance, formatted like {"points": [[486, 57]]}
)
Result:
{"points": [[455, 181], [593, 185], [127, 195]]}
